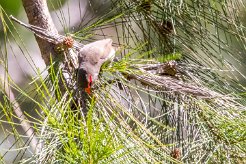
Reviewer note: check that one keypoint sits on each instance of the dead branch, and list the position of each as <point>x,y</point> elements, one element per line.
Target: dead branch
<point>173,84</point>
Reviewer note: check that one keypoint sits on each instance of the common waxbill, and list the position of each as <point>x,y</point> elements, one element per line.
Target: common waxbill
<point>91,57</point>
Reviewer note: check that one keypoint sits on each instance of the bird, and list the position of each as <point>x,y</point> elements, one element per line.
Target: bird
<point>91,57</point>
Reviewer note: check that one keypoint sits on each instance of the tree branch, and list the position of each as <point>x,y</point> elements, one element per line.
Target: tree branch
<point>38,15</point>
<point>150,72</point>
<point>44,34</point>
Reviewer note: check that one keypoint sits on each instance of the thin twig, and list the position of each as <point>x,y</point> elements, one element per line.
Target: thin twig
<point>46,35</point>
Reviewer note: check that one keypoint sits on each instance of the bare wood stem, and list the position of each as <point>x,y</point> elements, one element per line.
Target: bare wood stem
<point>38,15</point>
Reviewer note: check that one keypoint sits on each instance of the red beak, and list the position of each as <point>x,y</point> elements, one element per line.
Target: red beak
<point>88,89</point>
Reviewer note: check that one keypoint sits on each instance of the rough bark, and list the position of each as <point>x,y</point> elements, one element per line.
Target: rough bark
<point>38,15</point>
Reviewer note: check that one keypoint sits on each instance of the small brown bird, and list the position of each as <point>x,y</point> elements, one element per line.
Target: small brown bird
<point>91,57</point>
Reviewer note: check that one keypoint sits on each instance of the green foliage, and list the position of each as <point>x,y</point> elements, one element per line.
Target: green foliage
<point>128,122</point>
<point>86,140</point>
<point>168,57</point>
<point>71,137</point>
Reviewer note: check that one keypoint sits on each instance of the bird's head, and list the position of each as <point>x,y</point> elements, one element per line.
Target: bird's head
<point>85,80</point>
<point>90,58</point>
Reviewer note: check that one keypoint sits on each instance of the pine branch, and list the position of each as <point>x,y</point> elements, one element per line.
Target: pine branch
<point>149,71</point>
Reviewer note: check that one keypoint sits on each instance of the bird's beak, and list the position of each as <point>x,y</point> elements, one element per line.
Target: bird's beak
<point>88,89</point>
